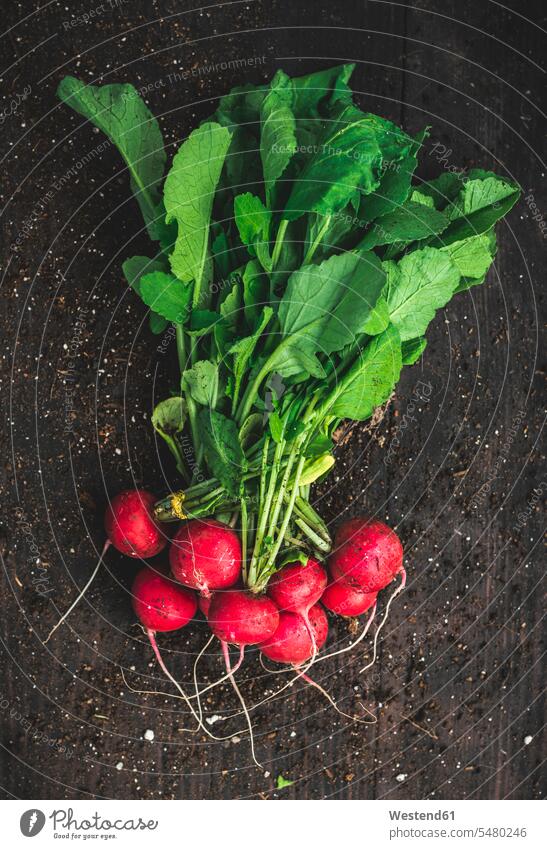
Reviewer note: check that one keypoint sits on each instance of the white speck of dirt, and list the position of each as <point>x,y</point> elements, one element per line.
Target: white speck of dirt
<point>149,735</point>
<point>210,720</point>
<point>528,739</point>
<point>401,777</point>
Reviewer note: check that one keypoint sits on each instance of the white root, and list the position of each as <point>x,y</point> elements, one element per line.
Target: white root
<point>229,675</point>
<point>82,593</point>
<point>154,693</point>
<point>226,653</point>
<point>198,717</point>
<point>300,673</point>
<point>328,696</point>
<point>186,698</point>
<point>152,637</point>
<point>362,635</point>
<point>399,589</point>
<point>352,645</point>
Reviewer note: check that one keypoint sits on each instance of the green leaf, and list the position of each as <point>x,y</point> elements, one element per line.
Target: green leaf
<point>256,292</point>
<point>120,112</point>
<point>371,379</point>
<point>134,267</point>
<point>251,430</point>
<point>444,189</point>
<point>313,91</point>
<point>168,419</point>
<point>201,381</point>
<point>326,306</point>
<point>473,256</point>
<point>220,249</point>
<point>482,190</point>
<point>169,416</point>
<point>252,218</point>
<point>395,181</point>
<point>409,222</point>
<point>394,143</point>
<point>468,282</point>
<point>243,350</point>
<point>157,323</point>
<point>413,350</point>
<point>418,285</point>
<point>280,781</point>
<point>290,555</point>
<point>253,223</point>
<point>425,200</point>
<point>203,322</point>
<point>320,444</point>
<point>278,138</point>
<point>378,320</point>
<point>293,362</point>
<point>276,426</point>
<point>348,157</point>
<point>222,448</point>
<point>188,194</point>
<point>166,295</point>
<point>230,306</point>
<point>243,165</point>
<point>483,200</point>
<point>316,469</point>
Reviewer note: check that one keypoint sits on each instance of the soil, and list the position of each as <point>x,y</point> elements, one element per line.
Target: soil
<point>455,464</point>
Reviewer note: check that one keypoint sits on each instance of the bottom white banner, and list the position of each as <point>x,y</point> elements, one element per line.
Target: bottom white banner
<point>242,824</point>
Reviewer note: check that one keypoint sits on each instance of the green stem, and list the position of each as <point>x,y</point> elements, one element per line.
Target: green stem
<point>312,518</point>
<point>281,493</point>
<point>252,391</point>
<point>315,244</point>
<point>263,473</point>
<point>190,403</point>
<point>318,541</point>
<point>286,519</point>
<point>194,502</point>
<point>244,519</point>
<point>279,242</point>
<point>263,515</point>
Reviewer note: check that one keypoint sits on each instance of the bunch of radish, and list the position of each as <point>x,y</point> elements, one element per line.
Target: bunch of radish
<point>286,621</point>
<point>296,282</point>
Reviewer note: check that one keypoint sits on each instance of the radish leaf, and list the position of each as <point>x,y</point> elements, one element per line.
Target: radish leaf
<point>166,295</point>
<point>188,195</point>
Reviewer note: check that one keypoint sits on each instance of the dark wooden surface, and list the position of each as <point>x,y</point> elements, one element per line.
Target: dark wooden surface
<point>457,688</point>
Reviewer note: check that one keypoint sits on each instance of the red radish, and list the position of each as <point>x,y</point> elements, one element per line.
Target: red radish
<point>345,600</point>
<point>131,526</point>
<point>297,587</point>
<point>242,618</point>
<point>205,555</point>
<point>292,642</point>
<point>160,604</point>
<point>368,555</point>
